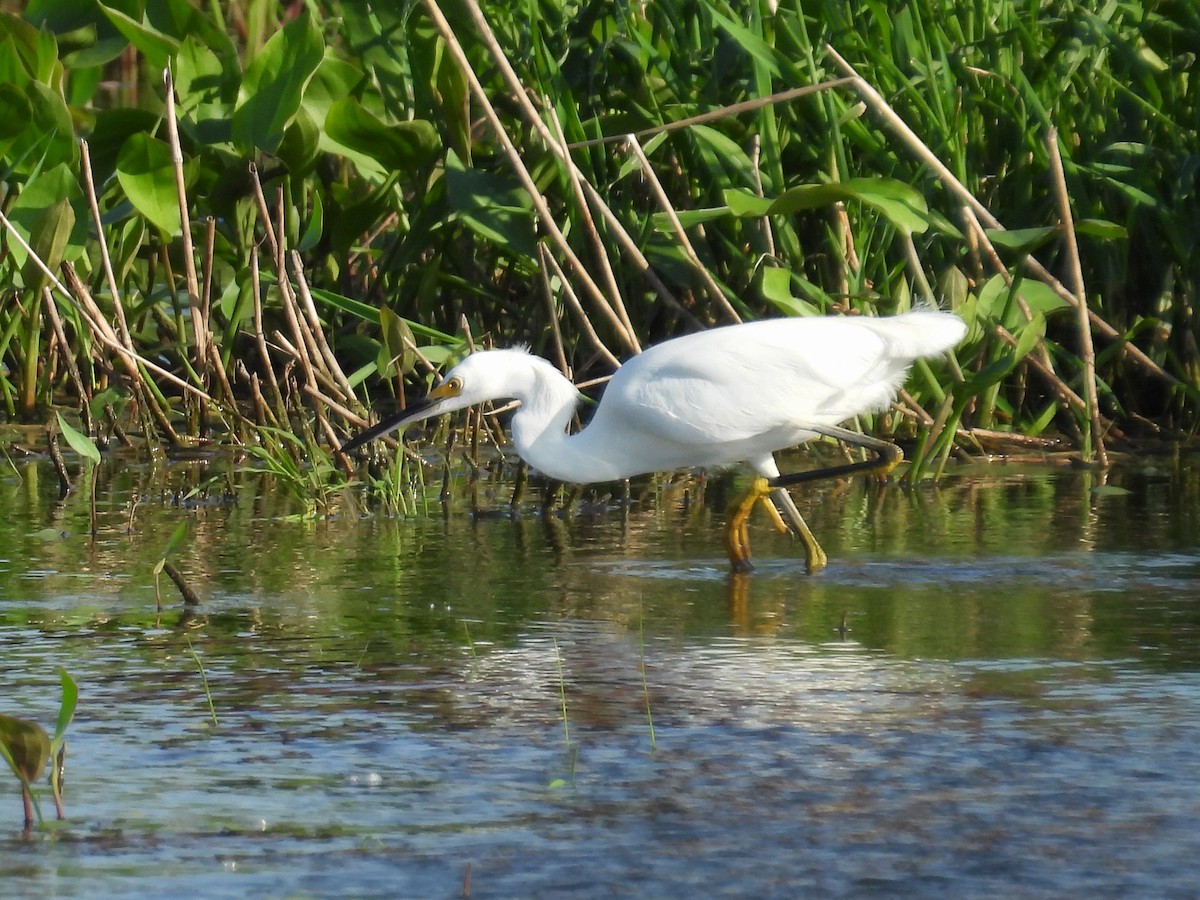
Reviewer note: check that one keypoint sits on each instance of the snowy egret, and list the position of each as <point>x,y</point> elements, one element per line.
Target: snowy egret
<point>709,399</point>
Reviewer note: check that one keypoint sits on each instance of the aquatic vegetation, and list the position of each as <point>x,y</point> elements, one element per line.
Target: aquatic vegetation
<point>225,223</point>
<point>27,748</point>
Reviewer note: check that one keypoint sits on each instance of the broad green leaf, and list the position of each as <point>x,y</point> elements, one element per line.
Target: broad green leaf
<point>1041,300</point>
<point>495,207</point>
<point>274,84</point>
<point>115,398</point>
<point>59,16</point>
<point>335,79</point>
<point>147,175</point>
<point>900,204</point>
<point>19,41</point>
<point>157,47</point>
<point>26,747</point>
<point>85,35</point>
<point>15,112</point>
<point>438,354</point>
<point>49,137</point>
<point>113,127</point>
<point>403,147</point>
<point>777,288</point>
<point>453,91</point>
<point>198,74</point>
<point>301,144</point>
<point>745,204</point>
<point>50,232</point>
<point>79,442</point>
<point>1021,240</point>
<point>1101,228</point>
<point>991,297</point>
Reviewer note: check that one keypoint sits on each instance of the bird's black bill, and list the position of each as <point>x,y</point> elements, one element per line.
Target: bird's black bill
<point>410,413</point>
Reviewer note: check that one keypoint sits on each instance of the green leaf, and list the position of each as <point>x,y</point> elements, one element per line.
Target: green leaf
<point>1041,300</point>
<point>953,287</point>
<point>86,37</point>
<point>301,144</point>
<point>44,215</point>
<point>147,175</point>
<point>1101,228</point>
<point>50,232</point>
<point>1030,334</point>
<point>754,45</point>
<point>199,76</point>
<point>900,204</point>
<point>493,206</point>
<point>274,83</point>
<point>403,147</point>
<point>66,707</point>
<point>991,297</point>
<point>26,747</point>
<point>719,149</point>
<point>15,112</point>
<point>157,47</point>
<point>688,218</point>
<point>744,204</point>
<point>113,127</point>
<point>177,538</point>
<point>315,227</point>
<point>49,137</point>
<point>1021,240</point>
<point>397,354</point>
<point>777,288</point>
<point>1042,421</point>
<point>79,442</point>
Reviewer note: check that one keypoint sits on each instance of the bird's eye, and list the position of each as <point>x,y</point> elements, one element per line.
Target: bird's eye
<point>454,385</point>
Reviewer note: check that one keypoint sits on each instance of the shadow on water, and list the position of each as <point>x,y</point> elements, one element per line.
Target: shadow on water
<point>993,690</point>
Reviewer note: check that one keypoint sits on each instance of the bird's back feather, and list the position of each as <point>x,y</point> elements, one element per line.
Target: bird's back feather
<point>730,385</point>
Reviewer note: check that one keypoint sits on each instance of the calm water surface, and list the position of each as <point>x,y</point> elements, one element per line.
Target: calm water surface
<point>994,690</point>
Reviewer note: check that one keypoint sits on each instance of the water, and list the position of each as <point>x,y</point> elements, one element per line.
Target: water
<point>993,691</point>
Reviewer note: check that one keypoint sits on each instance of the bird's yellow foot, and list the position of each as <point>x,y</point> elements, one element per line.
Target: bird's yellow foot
<point>737,527</point>
<point>814,556</point>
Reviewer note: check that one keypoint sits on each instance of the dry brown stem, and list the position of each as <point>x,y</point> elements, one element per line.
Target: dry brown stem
<point>1087,349</point>
<point>199,320</point>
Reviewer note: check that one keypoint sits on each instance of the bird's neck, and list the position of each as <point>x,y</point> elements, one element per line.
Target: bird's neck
<point>539,432</point>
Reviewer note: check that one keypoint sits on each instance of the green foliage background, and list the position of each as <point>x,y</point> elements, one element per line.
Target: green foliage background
<point>377,163</point>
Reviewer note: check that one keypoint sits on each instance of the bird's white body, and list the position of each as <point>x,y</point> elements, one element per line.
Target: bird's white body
<point>713,398</point>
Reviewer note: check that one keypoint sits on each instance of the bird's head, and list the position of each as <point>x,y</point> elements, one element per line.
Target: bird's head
<point>483,376</point>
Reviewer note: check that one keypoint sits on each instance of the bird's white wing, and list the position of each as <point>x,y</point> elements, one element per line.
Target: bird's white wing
<point>730,384</point>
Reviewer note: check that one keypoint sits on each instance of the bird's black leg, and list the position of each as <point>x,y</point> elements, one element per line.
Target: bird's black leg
<point>887,457</point>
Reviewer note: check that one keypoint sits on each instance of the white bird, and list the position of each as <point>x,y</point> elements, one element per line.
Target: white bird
<point>709,399</point>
